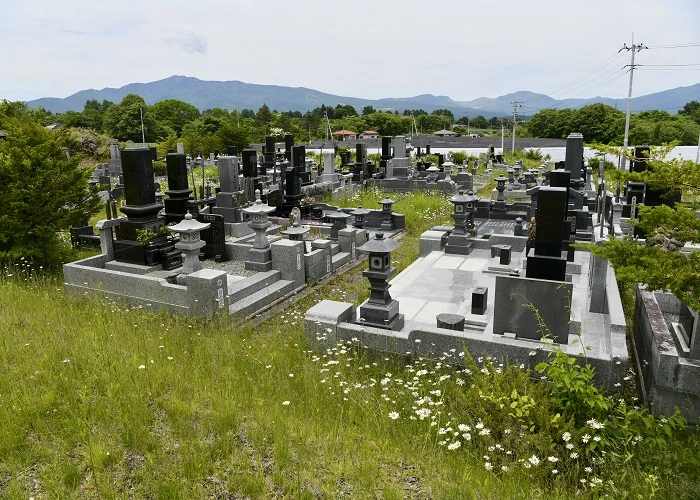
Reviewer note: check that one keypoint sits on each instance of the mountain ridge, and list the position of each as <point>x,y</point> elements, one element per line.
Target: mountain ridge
<point>235,94</point>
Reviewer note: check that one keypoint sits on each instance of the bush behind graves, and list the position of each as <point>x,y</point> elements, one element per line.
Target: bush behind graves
<point>43,192</point>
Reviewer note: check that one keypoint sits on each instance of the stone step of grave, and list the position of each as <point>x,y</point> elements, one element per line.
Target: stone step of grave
<point>261,298</point>
<point>335,248</point>
<point>251,284</point>
<point>340,259</point>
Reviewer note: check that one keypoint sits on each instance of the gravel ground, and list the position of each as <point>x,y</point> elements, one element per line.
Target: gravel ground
<point>234,267</point>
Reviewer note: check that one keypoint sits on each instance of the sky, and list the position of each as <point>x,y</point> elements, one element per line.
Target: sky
<point>368,49</point>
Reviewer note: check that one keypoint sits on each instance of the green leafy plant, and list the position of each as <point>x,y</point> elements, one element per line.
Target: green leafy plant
<point>573,391</point>
<point>144,236</point>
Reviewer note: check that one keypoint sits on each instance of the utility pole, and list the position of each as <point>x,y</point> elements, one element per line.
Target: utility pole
<point>515,104</point>
<point>143,134</point>
<point>634,48</point>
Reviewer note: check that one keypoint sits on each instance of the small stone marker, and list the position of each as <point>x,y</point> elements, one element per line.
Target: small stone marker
<point>480,297</point>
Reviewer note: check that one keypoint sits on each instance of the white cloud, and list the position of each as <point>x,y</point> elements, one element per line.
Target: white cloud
<point>188,40</point>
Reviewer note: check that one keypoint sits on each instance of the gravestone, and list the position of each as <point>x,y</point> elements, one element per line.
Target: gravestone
<point>250,172</point>
<point>329,174</point>
<point>214,237</point>
<point>140,206</point>
<point>288,144</point>
<point>142,210</point>
<point>546,260</point>
<point>573,162</point>
<point>292,182</point>
<point>115,162</point>
<point>176,204</point>
<point>229,177</point>
<point>229,182</point>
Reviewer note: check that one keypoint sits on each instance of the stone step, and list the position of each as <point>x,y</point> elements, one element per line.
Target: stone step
<point>339,259</point>
<point>255,301</point>
<point>252,284</point>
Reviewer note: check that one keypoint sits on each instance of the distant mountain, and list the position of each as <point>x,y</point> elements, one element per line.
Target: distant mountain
<point>240,95</point>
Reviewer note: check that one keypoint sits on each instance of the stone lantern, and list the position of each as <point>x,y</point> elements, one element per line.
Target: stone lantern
<point>432,173</point>
<point>448,166</point>
<point>360,214</point>
<point>471,212</point>
<point>464,210</point>
<point>295,232</point>
<point>387,221</point>
<point>190,243</point>
<point>260,256</point>
<point>339,221</point>
<point>380,310</point>
<point>500,187</point>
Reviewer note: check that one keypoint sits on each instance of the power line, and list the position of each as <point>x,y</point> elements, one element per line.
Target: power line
<point>676,46</point>
<point>604,73</point>
<point>605,70</point>
<point>668,65</point>
<point>669,69</point>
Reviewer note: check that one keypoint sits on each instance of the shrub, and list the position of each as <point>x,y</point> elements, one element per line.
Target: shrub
<point>43,192</point>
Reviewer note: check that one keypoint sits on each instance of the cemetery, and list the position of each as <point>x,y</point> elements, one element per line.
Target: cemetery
<point>482,306</point>
<point>506,280</point>
<point>538,289</point>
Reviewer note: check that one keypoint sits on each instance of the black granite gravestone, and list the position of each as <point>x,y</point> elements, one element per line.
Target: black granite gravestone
<point>299,157</point>
<point>574,156</point>
<point>178,188</point>
<point>288,144</point>
<point>546,260</point>
<point>214,237</point>
<point>250,163</point>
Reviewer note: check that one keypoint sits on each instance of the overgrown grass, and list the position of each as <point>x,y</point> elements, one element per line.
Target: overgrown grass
<point>423,210</point>
<point>99,400</point>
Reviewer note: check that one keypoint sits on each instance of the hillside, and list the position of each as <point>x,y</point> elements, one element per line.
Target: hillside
<point>239,95</point>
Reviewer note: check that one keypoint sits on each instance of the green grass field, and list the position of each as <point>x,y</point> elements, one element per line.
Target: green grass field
<point>98,400</point>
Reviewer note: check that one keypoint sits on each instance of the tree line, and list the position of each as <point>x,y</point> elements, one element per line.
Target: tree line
<point>170,121</point>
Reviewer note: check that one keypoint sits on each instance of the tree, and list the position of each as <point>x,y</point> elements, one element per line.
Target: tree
<point>479,122</point>
<point>343,111</point>
<point>368,110</point>
<point>444,112</point>
<point>657,263</point>
<point>43,192</point>
<point>264,116</point>
<point>123,121</point>
<point>598,123</point>
<point>691,110</point>
<point>174,114</point>
<point>232,135</point>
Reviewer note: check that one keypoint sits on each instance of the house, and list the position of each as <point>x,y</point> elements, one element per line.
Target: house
<point>369,134</point>
<point>445,133</point>
<point>345,134</point>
